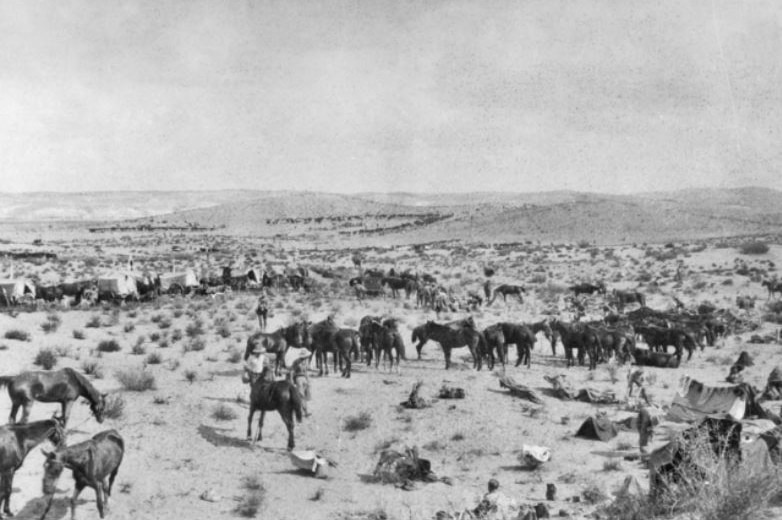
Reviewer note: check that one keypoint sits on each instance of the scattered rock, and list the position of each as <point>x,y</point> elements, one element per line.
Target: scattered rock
<point>541,510</point>
<point>210,496</point>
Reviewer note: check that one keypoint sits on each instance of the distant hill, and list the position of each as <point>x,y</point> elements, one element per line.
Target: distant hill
<point>396,218</point>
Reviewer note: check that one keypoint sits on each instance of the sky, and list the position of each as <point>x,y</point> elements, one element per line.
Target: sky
<point>377,95</point>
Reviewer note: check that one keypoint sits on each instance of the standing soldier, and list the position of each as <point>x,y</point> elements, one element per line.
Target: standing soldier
<point>262,310</point>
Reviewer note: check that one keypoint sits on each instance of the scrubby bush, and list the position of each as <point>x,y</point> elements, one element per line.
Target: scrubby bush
<point>109,345</point>
<point>753,248</point>
<point>93,323</point>
<point>154,359</point>
<point>136,379</point>
<point>17,334</point>
<point>354,423</point>
<point>115,407</point>
<point>46,359</point>
<point>51,324</point>
<point>92,368</point>
<point>78,334</point>
<point>223,412</point>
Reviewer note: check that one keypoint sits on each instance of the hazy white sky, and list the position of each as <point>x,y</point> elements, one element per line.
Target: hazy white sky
<point>346,96</point>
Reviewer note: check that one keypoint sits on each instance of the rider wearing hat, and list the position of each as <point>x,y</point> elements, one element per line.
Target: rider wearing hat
<point>299,376</point>
<point>256,365</point>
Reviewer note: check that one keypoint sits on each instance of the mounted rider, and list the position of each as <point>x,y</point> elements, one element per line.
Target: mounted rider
<point>257,367</point>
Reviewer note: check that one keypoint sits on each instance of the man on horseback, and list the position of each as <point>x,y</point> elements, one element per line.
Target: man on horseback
<point>263,309</point>
<point>257,367</point>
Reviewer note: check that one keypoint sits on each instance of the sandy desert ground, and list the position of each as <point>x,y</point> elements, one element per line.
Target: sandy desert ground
<point>177,450</point>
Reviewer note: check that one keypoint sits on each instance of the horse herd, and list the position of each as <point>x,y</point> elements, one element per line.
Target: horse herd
<point>94,463</point>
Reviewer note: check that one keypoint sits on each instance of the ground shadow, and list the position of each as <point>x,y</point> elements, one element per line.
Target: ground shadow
<point>227,373</point>
<point>229,400</point>
<point>213,436</point>
<point>33,509</point>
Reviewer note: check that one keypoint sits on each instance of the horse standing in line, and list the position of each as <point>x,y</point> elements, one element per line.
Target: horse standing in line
<point>450,337</point>
<point>278,342</point>
<point>94,463</point>
<point>388,343</point>
<point>16,441</point>
<point>62,386</point>
<point>507,289</point>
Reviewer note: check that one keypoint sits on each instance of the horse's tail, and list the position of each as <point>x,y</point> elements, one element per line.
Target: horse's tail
<point>297,401</point>
<point>6,380</point>
<point>414,337</point>
<point>399,345</point>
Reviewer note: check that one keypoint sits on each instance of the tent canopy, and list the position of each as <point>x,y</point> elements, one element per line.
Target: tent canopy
<point>185,279</point>
<point>17,288</point>
<point>122,284</point>
<point>694,401</point>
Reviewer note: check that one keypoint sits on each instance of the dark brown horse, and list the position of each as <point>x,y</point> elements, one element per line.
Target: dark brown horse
<point>419,335</point>
<point>16,441</point>
<point>521,336</point>
<point>588,288</point>
<point>279,341</point>
<point>450,337</point>
<point>579,337</point>
<point>282,396</point>
<point>773,286</point>
<point>93,463</point>
<point>397,284</point>
<point>495,342</point>
<point>367,337</point>
<point>62,386</point>
<point>659,338</point>
<point>327,337</point>
<point>387,343</point>
<point>505,290</point>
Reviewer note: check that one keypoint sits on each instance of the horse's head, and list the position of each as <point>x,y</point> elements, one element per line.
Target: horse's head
<point>56,434</point>
<point>52,469</point>
<point>98,407</point>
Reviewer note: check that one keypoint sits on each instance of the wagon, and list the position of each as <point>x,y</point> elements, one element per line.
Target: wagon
<point>373,285</point>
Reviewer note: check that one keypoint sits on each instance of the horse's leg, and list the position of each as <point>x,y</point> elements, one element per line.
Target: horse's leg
<point>250,420</point>
<point>99,497</point>
<point>447,353</point>
<point>528,354</point>
<point>77,488</point>
<point>14,409</point>
<point>287,418</point>
<point>66,411</point>
<point>259,433</point>
<point>519,354</point>
<point>6,489</point>
<point>26,407</point>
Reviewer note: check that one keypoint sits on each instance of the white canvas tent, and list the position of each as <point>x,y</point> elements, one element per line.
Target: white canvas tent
<point>185,279</point>
<point>120,284</point>
<point>16,289</point>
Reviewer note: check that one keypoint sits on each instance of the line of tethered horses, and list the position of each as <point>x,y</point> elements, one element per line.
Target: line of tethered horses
<point>95,462</point>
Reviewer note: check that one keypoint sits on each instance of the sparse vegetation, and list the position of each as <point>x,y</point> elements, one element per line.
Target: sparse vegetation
<point>354,423</point>
<point>115,406</point>
<point>17,334</point>
<point>46,359</point>
<point>109,345</point>
<point>754,248</point>
<point>223,412</point>
<point>136,379</point>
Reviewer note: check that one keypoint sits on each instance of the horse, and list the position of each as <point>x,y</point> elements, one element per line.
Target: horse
<point>495,342</point>
<point>94,463</point>
<point>62,386</point>
<point>450,337</point>
<point>588,288</point>
<point>16,441</point>
<point>623,298</point>
<point>545,327</point>
<point>773,286</point>
<point>278,342</point>
<point>505,290</point>
<point>580,337</point>
<point>48,293</point>
<point>396,284</point>
<point>658,339</point>
<point>620,341</point>
<point>327,337</point>
<point>522,337</point>
<point>388,342</point>
<point>367,337</point>
<point>282,396</point>
<point>76,289</point>
<point>419,336</point>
